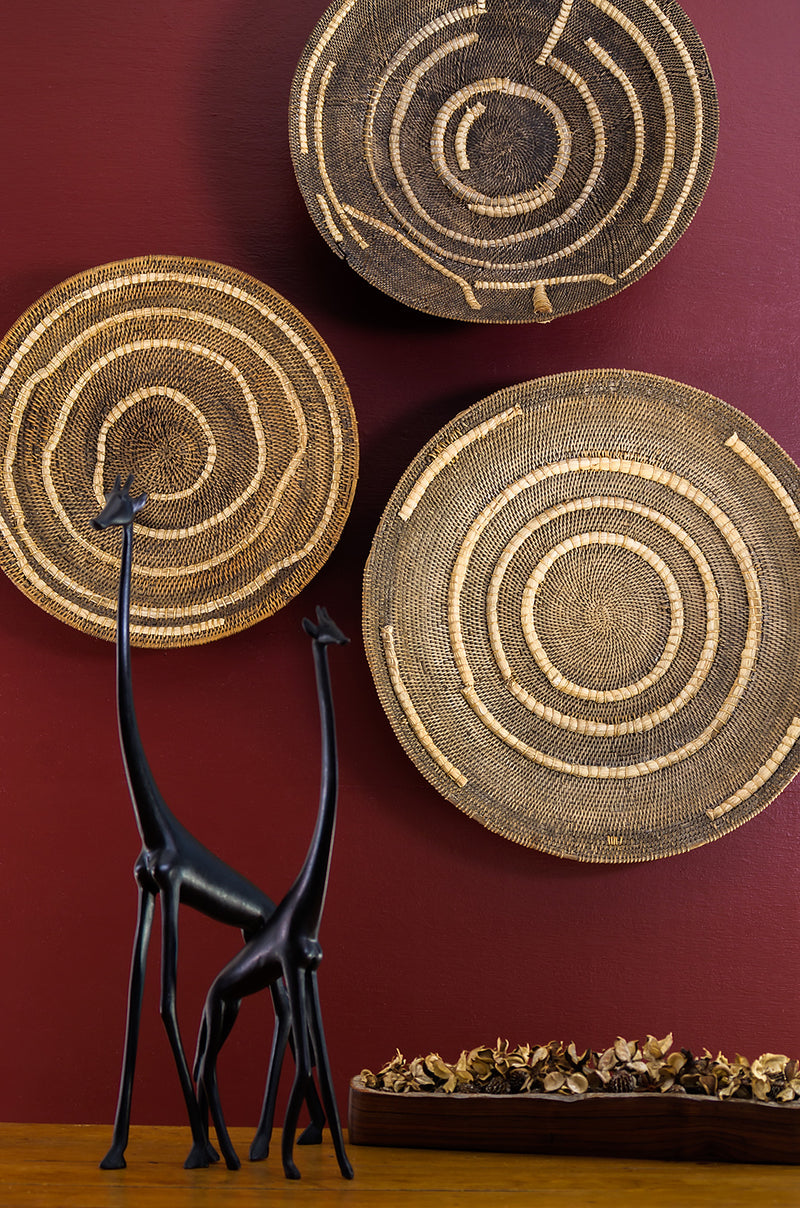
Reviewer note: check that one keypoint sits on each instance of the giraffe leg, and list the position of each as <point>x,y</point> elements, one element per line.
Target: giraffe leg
<point>324,1069</point>
<point>218,1019</point>
<point>295,985</point>
<point>170,903</point>
<point>115,1158</point>
<point>202,1100</point>
<point>259,1148</point>
<point>312,1133</point>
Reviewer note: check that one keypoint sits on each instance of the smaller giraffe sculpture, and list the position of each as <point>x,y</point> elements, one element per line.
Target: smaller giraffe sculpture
<point>176,868</point>
<point>287,948</point>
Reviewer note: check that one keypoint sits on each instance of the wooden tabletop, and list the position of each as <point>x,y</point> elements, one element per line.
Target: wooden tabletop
<point>55,1166</point>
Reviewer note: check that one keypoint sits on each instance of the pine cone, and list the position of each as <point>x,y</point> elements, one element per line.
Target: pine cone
<point>622,1081</point>
<point>517,1079</point>
<point>496,1085</point>
<point>466,1088</point>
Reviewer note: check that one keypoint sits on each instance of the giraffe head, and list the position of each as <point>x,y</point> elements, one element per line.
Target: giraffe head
<point>325,631</point>
<point>120,508</point>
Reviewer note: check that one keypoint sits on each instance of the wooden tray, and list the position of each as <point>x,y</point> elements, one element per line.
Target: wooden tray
<point>645,1125</point>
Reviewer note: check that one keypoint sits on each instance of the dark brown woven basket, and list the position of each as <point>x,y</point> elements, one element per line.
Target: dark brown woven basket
<point>506,160</point>
<point>582,615</point>
<point>229,411</point>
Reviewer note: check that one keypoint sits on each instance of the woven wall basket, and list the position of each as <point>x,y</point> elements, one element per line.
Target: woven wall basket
<point>229,411</point>
<point>582,615</point>
<point>507,160</point>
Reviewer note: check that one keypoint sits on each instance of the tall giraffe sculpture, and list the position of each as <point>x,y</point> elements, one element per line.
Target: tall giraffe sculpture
<point>287,949</point>
<point>176,868</point>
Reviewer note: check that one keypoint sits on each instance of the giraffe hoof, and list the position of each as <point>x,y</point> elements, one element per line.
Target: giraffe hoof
<point>198,1158</point>
<point>114,1160</point>
<point>259,1149</point>
<point>312,1135</point>
<point>290,1170</point>
<point>346,1169</point>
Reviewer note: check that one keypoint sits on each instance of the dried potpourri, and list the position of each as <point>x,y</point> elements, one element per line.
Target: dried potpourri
<point>626,1066</point>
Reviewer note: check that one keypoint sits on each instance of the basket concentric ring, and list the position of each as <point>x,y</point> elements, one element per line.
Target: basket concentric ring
<point>582,615</point>
<point>228,410</point>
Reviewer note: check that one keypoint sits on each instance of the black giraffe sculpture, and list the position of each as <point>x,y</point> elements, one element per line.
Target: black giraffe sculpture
<point>287,949</point>
<point>176,868</point>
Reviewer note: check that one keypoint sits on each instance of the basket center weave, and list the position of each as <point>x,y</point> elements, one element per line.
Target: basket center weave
<point>602,616</point>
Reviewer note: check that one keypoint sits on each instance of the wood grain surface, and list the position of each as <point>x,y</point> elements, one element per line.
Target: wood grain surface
<point>55,1166</point>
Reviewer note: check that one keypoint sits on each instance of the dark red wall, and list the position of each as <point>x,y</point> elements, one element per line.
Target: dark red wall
<point>160,126</point>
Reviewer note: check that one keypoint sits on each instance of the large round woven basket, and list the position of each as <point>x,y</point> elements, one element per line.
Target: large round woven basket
<point>582,615</point>
<point>228,410</point>
<point>506,160</point>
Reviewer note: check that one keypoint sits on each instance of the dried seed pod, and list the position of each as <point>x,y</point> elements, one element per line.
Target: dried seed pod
<point>554,1081</point>
<point>622,1082</point>
<point>578,1059</point>
<point>622,1049</point>
<point>495,1085</point>
<point>519,1080</point>
<point>625,1067</point>
<point>437,1069</point>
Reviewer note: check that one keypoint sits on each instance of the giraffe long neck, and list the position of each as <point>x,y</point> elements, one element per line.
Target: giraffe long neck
<point>312,882</point>
<point>151,812</point>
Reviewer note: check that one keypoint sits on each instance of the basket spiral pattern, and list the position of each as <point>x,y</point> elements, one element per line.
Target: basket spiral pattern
<point>225,406</point>
<point>582,615</point>
<point>503,162</point>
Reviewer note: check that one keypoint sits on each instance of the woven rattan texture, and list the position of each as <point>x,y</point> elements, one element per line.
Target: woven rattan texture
<point>582,615</point>
<point>229,411</point>
<point>506,160</point>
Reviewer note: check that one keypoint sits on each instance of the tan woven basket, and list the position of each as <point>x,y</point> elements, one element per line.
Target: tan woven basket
<point>506,160</point>
<point>229,411</point>
<point>582,615</point>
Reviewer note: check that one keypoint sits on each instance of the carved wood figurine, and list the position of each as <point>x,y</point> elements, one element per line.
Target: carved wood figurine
<point>287,948</point>
<point>176,868</point>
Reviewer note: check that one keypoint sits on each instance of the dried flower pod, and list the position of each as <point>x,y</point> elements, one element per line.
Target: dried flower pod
<point>607,1060</point>
<point>436,1068</point>
<point>622,1082</point>
<point>554,1081</point>
<point>519,1080</point>
<point>578,1059</point>
<point>480,1063</point>
<point>622,1049</point>
<point>627,1066</point>
<point>495,1085</point>
<point>657,1049</point>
